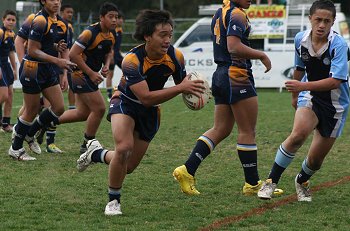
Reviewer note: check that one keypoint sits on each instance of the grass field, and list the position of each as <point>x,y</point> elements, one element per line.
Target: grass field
<point>49,194</point>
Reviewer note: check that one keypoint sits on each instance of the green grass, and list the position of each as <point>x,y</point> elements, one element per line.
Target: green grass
<point>49,194</point>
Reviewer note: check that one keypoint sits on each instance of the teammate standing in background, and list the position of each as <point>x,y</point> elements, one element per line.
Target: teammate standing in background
<point>117,56</point>
<point>92,50</point>
<point>235,96</point>
<point>8,71</point>
<point>67,13</point>
<point>320,92</point>
<point>37,74</point>
<point>134,110</point>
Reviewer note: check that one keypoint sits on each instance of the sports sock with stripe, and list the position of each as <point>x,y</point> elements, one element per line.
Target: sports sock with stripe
<point>282,161</point>
<point>201,150</point>
<point>248,156</point>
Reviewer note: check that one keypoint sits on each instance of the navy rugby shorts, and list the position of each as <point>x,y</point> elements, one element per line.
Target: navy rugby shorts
<point>147,119</point>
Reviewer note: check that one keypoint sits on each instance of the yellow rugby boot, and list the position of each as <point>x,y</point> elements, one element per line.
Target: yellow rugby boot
<point>185,180</point>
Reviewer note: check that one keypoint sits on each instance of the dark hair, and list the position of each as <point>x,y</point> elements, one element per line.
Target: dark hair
<point>65,6</point>
<point>41,3</point>
<point>323,5</point>
<point>147,20</point>
<point>107,7</point>
<point>9,12</point>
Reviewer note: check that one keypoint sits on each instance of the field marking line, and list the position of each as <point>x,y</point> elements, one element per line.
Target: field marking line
<point>262,209</point>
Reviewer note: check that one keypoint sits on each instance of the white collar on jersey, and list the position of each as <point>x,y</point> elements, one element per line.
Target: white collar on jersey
<point>306,42</point>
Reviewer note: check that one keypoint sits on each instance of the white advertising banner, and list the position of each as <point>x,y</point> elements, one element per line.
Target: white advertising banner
<point>267,21</point>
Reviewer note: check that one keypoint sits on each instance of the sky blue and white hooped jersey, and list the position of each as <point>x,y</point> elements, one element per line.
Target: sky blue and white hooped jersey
<point>331,61</point>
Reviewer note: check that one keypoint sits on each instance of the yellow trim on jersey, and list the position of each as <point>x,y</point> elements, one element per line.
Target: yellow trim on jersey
<point>101,37</point>
<point>225,8</point>
<point>148,63</point>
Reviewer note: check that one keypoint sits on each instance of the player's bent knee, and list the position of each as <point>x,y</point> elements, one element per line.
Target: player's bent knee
<point>298,139</point>
<point>58,110</point>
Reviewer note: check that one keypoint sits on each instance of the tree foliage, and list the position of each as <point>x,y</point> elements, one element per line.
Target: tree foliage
<point>179,8</point>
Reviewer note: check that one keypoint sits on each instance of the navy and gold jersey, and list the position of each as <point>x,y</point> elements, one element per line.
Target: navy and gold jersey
<point>96,45</point>
<point>47,31</point>
<point>231,20</point>
<point>23,32</point>
<point>118,58</point>
<point>7,39</point>
<point>137,67</point>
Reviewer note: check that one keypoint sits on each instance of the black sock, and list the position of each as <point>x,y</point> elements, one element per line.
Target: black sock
<point>5,121</point>
<point>303,177</point>
<point>248,156</point>
<point>86,139</point>
<point>276,173</point>
<point>98,156</point>
<point>21,131</point>
<point>306,172</point>
<point>44,120</point>
<point>114,194</point>
<point>202,149</point>
<point>50,134</point>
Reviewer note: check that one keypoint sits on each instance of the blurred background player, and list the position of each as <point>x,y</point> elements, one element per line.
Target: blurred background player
<point>21,43</point>
<point>92,49</point>
<point>37,74</point>
<point>134,110</point>
<point>67,13</point>
<point>320,94</point>
<point>8,71</point>
<point>117,56</point>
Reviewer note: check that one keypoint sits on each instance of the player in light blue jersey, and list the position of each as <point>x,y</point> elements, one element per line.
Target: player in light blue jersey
<point>320,93</point>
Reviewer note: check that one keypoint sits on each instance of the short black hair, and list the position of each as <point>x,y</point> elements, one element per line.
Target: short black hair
<point>147,20</point>
<point>107,7</point>
<point>65,6</point>
<point>323,5</point>
<point>9,12</point>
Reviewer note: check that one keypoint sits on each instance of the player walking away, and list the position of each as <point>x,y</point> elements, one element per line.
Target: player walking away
<point>92,49</point>
<point>134,109</point>
<point>8,71</point>
<point>38,75</point>
<point>67,13</point>
<point>320,93</point>
<point>235,97</point>
<point>117,57</point>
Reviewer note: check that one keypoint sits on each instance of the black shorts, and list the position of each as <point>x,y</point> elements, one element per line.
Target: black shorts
<point>35,76</point>
<point>229,90</point>
<point>80,82</point>
<point>7,74</point>
<point>147,120</point>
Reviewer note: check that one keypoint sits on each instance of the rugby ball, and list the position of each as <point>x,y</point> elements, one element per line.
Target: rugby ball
<point>193,102</point>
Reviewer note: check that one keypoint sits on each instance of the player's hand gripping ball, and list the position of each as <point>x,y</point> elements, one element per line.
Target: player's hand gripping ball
<point>193,102</point>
